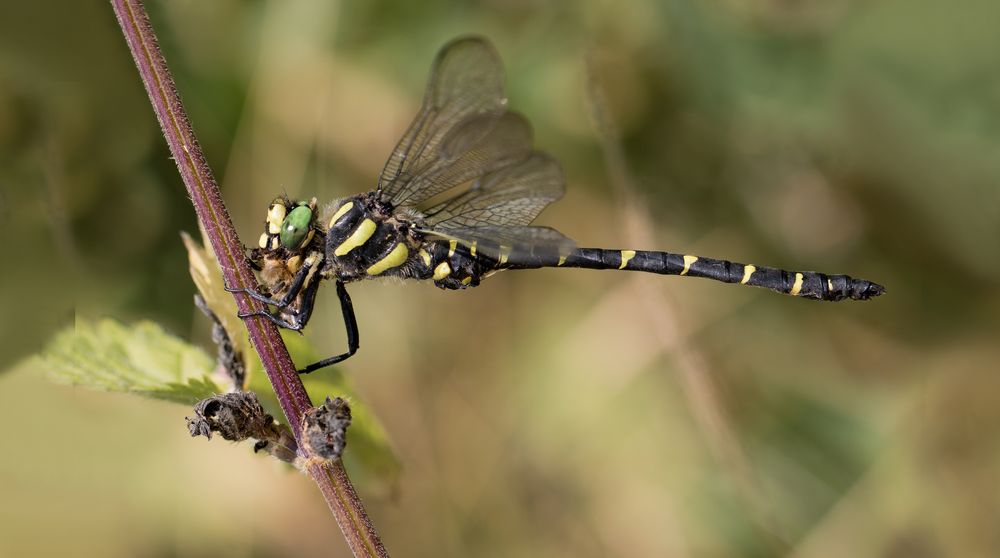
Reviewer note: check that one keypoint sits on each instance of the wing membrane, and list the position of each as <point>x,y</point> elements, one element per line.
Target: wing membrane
<point>464,133</point>
<point>510,196</point>
<point>467,81</point>
<point>479,145</point>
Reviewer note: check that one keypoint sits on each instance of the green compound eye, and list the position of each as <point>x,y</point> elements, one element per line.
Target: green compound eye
<point>295,226</point>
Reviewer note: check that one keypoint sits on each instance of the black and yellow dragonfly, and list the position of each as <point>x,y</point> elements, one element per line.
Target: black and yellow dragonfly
<point>454,204</point>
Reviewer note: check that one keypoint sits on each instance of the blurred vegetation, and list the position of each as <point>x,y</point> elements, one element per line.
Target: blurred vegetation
<point>547,413</point>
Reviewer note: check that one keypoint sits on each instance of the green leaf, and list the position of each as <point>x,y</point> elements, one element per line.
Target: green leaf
<point>142,359</point>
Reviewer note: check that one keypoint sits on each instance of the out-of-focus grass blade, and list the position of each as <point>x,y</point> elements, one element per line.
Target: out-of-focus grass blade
<point>141,359</point>
<point>207,277</point>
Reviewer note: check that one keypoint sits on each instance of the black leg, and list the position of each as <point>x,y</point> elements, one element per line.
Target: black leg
<point>298,317</point>
<point>350,323</point>
<point>293,290</point>
<point>306,304</point>
<point>275,319</point>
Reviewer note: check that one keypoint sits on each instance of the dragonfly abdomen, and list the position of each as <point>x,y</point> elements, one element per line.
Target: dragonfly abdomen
<point>805,284</point>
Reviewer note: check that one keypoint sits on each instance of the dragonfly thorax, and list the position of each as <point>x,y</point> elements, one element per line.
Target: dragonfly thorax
<point>365,238</point>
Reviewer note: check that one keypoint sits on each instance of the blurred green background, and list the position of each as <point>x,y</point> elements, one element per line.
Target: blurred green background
<point>555,412</point>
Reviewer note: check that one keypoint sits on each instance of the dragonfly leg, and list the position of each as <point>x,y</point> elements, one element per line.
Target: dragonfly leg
<point>293,290</point>
<point>274,318</point>
<point>350,324</point>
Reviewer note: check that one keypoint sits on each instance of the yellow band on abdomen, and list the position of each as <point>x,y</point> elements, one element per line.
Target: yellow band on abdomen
<point>626,256</point>
<point>688,260</point>
<point>797,287</point>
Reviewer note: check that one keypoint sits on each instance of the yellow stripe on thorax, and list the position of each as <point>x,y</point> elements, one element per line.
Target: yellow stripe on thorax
<point>452,244</point>
<point>360,235</point>
<point>441,271</point>
<point>426,257</point>
<point>747,273</point>
<point>626,256</point>
<point>395,258</point>
<point>688,260</point>
<point>340,212</point>
<point>797,286</point>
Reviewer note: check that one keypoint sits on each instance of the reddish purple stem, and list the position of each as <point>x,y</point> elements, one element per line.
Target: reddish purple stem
<point>332,479</point>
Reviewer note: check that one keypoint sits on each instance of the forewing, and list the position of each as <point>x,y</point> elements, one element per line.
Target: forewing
<point>467,80</point>
<point>509,196</point>
<point>480,145</point>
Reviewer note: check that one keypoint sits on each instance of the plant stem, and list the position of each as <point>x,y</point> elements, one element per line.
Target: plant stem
<point>331,478</point>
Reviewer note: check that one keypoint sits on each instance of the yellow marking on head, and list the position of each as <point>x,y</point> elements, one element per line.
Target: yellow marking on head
<point>829,285</point>
<point>340,213</point>
<point>310,274</point>
<point>747,273</point>
<point>308,239</point>
<point>626,256</point>
<point>688,260</point>
<point>797,286</point>
<point>274,243</point>
<point>294,263</point>
<point>263,240</point>
<point>441,271</point>
<point>505,253</point>
<point>393,259</point>
<point>452,244</point>
<point>562,260</point>
<point>472,249</point>
<point>426,257</point>
<point>467,280</point>
<point>360,235</point>
<point>275,216</point>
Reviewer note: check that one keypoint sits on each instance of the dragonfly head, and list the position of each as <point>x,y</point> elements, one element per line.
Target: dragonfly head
<point>290,226</point>
<point>289,239</point>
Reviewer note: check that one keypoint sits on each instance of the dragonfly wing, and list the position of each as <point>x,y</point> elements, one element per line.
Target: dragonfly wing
<point>478,146</point>
<point>509,196</point>
<point>464,102</point>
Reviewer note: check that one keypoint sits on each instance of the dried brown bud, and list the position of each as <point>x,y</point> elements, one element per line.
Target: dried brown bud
<point>324,429</point>
<point>234,416</point>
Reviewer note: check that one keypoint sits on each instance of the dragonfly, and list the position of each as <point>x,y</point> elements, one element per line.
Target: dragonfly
<point>454,205</point>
